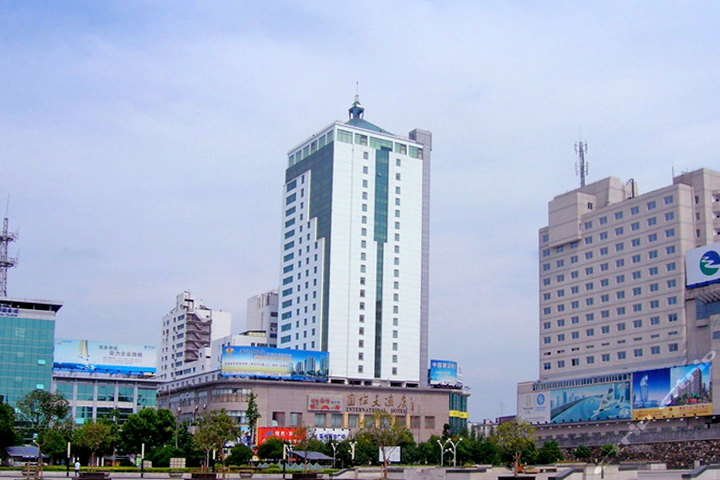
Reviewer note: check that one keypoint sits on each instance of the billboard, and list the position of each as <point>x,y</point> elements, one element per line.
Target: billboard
<point>290,434</point>
<point>607,401</point>
<point>682,391</point>
<point>702,265</point>
<point>328,434</point>
<point>534,407</point>
<point>444,372</point>
<point>262,362</point>
<point>104,357</point>
<point>323,402</point>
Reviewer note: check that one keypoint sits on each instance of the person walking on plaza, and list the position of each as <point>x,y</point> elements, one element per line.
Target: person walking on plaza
<point>77,469</point>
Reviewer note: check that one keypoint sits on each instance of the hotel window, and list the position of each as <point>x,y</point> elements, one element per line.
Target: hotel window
<point>561,363</point>
<point>673,347</point>
<point>602,220</point>
<point>637,323</point>
<point>618,231</point>
<point>634,210</point>
<point>654,350</point>
<point>603,235</point>
<point>635,226</point>
<point>621,355</point>
<point>638,352</point>
<point>668,200</point>
<point>654,320</point>
<point>605,357</point>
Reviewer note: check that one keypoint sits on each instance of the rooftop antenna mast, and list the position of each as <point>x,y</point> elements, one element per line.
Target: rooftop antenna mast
<point>581,167</point>
<point>5,262</point>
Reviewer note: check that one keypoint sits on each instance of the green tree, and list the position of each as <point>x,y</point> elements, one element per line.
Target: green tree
<point>96,437</point>
<point>583,453</point>
<point>549,453</point>
<point>56,440</point>
<point>385,431</point>
<point>609,451</point>
<point>39,412</point>
<point>252,414</point>
<point>514,438</point>
<point>154,428</point>
<point>213,430</point>
<point>240,455</point>
<point>8,435</point>
<point>271,449</point>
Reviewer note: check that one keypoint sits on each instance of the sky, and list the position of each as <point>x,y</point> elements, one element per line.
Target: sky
<point>143,145</point>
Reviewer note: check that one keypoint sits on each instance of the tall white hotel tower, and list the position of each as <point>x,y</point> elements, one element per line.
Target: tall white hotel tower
<point>354,275</point>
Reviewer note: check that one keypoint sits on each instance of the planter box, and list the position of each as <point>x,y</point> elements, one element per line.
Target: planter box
<point>204,476</point>
<point>94,476</point>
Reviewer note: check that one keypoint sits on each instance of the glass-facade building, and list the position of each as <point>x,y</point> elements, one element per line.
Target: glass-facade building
<point>27,331</point>
<point>104,396</point>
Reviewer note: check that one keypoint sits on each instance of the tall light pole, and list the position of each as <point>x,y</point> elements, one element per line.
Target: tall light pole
<point>334,447</point>
<point>449,446</point>
<point>353,444</point>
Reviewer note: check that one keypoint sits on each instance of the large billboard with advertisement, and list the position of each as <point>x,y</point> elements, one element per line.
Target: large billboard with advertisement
<point>289,434</point>
<point>702,265</point>
<point>444,372</point>
<point>104,357</point>
<point>329,434</point>
<point>534,407</point>
<point>261,362</point>
<point>605,401</point>
<point>682,391</point>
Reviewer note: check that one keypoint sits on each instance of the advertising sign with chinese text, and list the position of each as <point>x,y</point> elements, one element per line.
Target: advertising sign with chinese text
<point>261,362</point>
<point>105,357</point>
<point>444,372</point>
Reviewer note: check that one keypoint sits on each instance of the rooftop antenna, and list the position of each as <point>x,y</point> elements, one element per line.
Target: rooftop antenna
<point>5,262</point>
<point>581,166</point>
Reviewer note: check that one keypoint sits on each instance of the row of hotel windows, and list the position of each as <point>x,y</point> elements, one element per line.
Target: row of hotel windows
<point>619,247</point>
<point>634,210</point>
<point>636,275</point>
<point>359,139</point>
<point>605,357</point>
<point>337,420</point>
<point>672,317</point>
<point>605,329</point>
<point>620,294</point>
<point>622,310</point>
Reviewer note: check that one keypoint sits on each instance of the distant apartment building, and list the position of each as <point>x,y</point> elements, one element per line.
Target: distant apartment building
<point>262,315</point>
<point>27,331</point>
<point>187,332</point>
<point>355,258</point>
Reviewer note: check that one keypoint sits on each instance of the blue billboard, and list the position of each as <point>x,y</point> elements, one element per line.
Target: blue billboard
<point>681,391</point>
<point>609,401</point>
<point>444,372</point>
<point>104,357</point>
<point>276,363</point>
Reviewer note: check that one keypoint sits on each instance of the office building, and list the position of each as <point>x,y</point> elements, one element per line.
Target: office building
<point>27,331</point>
<point>187,332</point>
<point>354,260</point>
<point>618,316</point>
<point>262,315</point>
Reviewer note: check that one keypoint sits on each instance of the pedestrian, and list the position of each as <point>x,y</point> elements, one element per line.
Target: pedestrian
<point>77,468</point>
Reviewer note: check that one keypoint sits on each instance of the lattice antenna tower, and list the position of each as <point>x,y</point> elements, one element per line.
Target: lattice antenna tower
<point>6,237</point>
<point>581,166</point>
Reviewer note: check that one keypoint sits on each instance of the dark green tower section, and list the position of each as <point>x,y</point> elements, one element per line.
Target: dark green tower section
<point>320,163</point>
<point>381,218</point>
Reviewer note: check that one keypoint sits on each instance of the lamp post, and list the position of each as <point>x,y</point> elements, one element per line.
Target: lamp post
<point>353,444</point>
<point>285,455</point>
<point>67,463</point>
<point>334,447</point>
<point>142,460</point>
<point>444,448</point>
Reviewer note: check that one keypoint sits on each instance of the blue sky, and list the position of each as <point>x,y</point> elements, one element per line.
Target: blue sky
<point>142,144</point>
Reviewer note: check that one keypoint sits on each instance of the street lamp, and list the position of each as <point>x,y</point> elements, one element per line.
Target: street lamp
<point>444,448</point>
<point>285,455</point>
<point>353,444</point>
<point>334,447</point>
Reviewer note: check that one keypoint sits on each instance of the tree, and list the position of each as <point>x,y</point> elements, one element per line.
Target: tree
<point>253,415</point>
<point>8,435</point>
<point>582,452</point>
<point>271,449</point>
<point>154,428</point>
<point>39,412</point>
<point>96,437</point>
<point>214,430</point>
<point>240,455</point>
<point>609,451</point>
<point>549,453</point>
<point>385,430</point>
<point>514,438</point>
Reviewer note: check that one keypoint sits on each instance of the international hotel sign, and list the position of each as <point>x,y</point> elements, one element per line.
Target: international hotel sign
<point>394,403</point>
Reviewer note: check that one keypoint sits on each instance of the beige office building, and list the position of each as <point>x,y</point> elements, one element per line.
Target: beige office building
<point>613,296</point>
